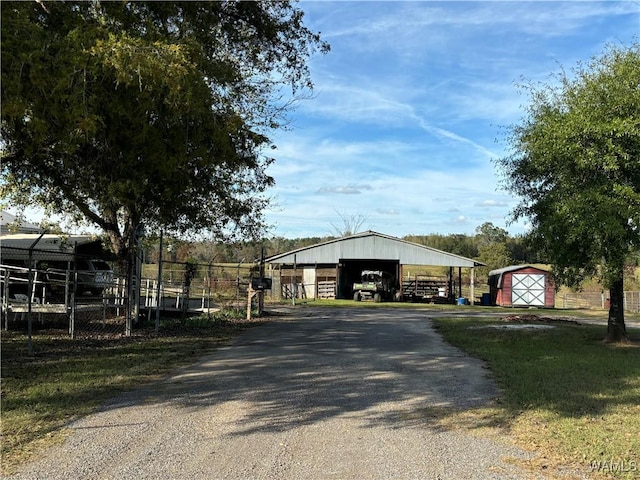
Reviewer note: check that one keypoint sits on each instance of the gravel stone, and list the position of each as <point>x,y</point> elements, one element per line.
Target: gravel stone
<point>327,395</point>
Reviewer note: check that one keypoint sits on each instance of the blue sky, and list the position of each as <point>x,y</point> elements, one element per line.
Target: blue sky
<point>408,108</point>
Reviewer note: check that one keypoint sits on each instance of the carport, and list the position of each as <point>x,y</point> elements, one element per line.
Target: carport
<point>328,269</point>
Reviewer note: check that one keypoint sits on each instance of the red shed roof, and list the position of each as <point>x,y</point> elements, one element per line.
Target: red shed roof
<point>514,268</point>
<point>495,276</point>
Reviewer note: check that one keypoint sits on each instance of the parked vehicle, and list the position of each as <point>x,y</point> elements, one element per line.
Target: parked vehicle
<point>93,275</point>
<point>374,284</point>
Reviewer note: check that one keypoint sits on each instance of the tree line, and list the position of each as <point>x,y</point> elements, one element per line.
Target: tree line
<point>489,244</point>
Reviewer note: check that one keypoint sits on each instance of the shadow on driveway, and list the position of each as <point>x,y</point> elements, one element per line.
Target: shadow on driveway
<point>378,365</point>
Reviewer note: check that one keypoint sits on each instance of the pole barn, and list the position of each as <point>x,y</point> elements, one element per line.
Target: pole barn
<point>330,269</point>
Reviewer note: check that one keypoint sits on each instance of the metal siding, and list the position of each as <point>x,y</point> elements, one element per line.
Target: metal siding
<point>372,246</point>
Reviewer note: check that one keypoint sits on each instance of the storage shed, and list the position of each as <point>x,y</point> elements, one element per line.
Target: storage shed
<point>329,269</point>
<point>522,286</point>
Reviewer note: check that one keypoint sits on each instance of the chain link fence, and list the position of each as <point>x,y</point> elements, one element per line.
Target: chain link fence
<point>80,295</point>
<point>194,287</point>
<point>43,289</point>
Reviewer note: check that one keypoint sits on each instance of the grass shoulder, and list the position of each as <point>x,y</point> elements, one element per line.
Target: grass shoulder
<point>566,394</point>
<point>66,378</point>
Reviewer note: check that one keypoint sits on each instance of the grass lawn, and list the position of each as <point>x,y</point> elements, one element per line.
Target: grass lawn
<point>66,379</point>
<point>567,395</point>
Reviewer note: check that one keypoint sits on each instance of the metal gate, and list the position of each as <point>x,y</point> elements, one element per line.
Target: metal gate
<point>528,289</point>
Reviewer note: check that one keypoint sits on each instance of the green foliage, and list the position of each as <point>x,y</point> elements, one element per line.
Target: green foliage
<point>494,255</point>
<point>523,250</point>
<point>488,233</point>
<point>458,244</point>
<point>124,113</point>
<point>575,163</point>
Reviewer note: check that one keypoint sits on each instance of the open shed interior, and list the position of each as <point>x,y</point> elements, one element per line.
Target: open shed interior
<point>351,271</point>
<point>330,269</point>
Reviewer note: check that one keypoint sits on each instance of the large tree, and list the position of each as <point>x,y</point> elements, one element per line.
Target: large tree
<point>575,164</point>
<point>488,233</point>
<point>126,114</point>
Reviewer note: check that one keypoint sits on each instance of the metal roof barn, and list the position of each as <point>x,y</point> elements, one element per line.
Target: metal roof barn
<point>338,263</point>
<point>370,245</point>
<point>10,223</point>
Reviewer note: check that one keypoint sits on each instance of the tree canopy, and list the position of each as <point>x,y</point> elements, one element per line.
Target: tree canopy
<point>575,164</point>
<point>154,113</point>
<point>488,233</point>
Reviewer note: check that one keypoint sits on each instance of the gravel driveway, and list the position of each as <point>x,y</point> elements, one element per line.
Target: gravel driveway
<point>327,394</point>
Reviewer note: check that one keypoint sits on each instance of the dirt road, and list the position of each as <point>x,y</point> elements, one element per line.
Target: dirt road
<point>330,394</point>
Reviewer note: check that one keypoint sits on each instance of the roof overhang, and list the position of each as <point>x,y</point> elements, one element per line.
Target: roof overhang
<point>369,246</point>
<point>53,246</point>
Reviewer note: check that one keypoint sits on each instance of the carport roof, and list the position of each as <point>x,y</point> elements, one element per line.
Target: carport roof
<point>371,246</point>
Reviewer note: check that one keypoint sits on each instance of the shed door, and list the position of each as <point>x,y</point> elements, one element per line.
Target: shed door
<point>528,289</point>
<point>309,282</point>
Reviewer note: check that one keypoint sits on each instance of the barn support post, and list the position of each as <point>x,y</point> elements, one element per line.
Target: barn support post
<point>73,313</point>
<point>276,284</point>
<point>139,260</point>
<point>459,282</point>
<point>315,282</point>
<point>5,297</point>
<point>30,290</point>
<point>295,282</point>
<point>261,292</point>
<point>249,298</point>
<point>452,288</point>
<point>472,284</point>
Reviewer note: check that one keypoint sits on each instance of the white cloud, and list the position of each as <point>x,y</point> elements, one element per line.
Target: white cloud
<point>491,203</point>
<point>344,190</point>
<point>388,211</point>
<point>447,134</point>
<point>412,22</point>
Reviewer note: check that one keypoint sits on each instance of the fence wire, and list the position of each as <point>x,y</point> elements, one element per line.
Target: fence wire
<point>52,290</point>
<point>85,296</point>
<point>598,301</point>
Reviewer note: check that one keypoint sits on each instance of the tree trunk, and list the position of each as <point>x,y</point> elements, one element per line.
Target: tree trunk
<point>616,330</point>
<point>123,244</point>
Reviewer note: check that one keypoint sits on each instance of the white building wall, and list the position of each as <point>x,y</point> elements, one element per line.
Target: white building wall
<point>309,281</point>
